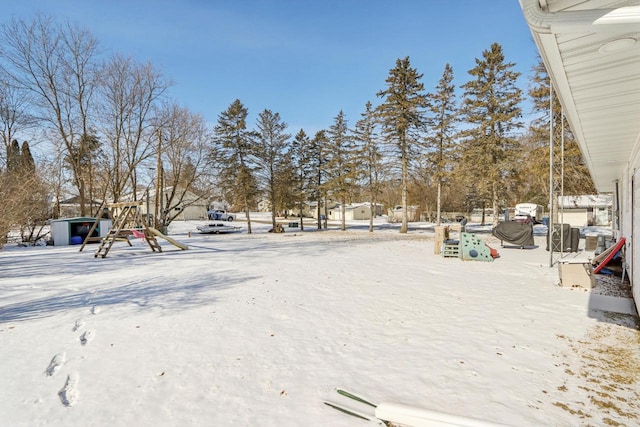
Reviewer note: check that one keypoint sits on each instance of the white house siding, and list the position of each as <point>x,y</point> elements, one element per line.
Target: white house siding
<point>569,53</point>
<point>631,226</point>
<point>353,212</point>
<point>192,212</point>
<point>629,200</point>
<point>196,209</point>
<point>361,212</point>
<point>575,217</point>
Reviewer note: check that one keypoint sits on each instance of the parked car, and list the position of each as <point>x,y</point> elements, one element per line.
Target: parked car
<point>221,215</point>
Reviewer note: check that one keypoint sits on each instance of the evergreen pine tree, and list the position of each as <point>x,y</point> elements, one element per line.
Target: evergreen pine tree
<point>341,163</point>
<point>300,155</point>
<point>491,110</point>
<point>268,148</point>
<point>14,160</point>
<point>402,117</point>
<point>443,123</point>
<point>231,153</point>
<point>577,179</point>
<point>318,159</point>
<point>371,158</point>
<point>28,164</point>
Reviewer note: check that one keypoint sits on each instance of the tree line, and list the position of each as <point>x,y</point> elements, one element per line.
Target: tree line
<point>111,129</point>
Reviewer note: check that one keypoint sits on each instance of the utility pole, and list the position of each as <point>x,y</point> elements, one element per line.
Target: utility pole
<point>159,189</point>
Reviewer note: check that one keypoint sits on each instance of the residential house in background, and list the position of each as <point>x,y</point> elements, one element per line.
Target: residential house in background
<point>264,205</point>
<point>70,207</point>
<point>190,207</point>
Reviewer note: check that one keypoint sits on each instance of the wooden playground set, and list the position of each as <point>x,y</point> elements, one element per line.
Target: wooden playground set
<point>126,221</point>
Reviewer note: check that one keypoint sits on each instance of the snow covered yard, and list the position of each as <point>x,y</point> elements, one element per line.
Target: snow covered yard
<point>258,330</point>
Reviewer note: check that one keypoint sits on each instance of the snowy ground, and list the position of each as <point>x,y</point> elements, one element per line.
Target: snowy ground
<point>258,330</point>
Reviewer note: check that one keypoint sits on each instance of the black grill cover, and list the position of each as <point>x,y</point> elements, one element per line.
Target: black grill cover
<point>514,232</point>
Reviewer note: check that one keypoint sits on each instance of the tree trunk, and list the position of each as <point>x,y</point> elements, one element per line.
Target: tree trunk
<point>326,213</point>
<point>438,202</point>
<point>273,215</point>
<point>246,212</point>
<point>301,221</point>
<point>405,211</point>
<point>494,189</point>
<point>371,214</point>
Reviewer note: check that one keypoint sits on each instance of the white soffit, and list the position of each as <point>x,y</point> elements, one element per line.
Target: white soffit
<point>591,49</point>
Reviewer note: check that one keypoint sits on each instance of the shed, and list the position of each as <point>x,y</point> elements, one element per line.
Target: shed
<point>396,214</point>
<point>355,211</point>
<point>72,231</point>
<point>587,210</point>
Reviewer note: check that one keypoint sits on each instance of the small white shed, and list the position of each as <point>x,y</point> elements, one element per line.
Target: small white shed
<point>587,210</point>
<point>355,211</point>
<point>72,231</point>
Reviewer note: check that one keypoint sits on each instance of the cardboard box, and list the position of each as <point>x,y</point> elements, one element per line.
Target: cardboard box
<point>577,273</point>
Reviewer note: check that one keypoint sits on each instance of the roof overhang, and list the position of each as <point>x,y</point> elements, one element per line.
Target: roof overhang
<point>591,49</point>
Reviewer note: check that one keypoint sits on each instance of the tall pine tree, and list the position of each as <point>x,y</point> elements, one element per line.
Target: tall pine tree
<point>301,161</point>
<point>269,146</point>
<point>491,109</point>
<point>318,160</point>
<point>370,157</point>
<point>28,164</point>
<point>577,179</point>
<point>441,142</point>
<point>14,161</point>
<point>402,117</point>
<point>231,153</point>
<point>341,164</point>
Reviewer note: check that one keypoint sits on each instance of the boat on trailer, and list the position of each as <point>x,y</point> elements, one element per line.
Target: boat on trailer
<point>217,228</point>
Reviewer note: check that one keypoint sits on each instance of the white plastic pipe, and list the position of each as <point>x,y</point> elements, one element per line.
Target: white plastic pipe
<point>419,417</point>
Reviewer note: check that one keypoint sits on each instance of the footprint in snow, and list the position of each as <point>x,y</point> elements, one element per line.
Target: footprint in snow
<point>86,337</point>
<point>95,309</point>
<point>69,393</point>
<point>79,324</point>
<point>55,364</point>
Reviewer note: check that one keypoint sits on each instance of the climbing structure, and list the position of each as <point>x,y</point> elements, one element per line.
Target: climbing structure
<point>127,219</point>
<point>474,248</point>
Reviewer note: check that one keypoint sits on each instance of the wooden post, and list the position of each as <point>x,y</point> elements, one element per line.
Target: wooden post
<point>442,234</point>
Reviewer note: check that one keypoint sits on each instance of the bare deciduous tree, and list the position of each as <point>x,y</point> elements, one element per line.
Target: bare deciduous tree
<point>14,113</point>
<point>56,62</point>
<point>129,93</point>
<point>185,151</point>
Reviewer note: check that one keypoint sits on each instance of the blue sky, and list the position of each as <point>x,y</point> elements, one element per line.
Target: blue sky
<point>304,59</point>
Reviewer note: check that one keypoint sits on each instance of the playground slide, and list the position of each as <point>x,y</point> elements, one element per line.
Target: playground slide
<point>168,239</point>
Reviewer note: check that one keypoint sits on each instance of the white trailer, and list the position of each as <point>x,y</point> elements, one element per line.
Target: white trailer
<point>533,210</point>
